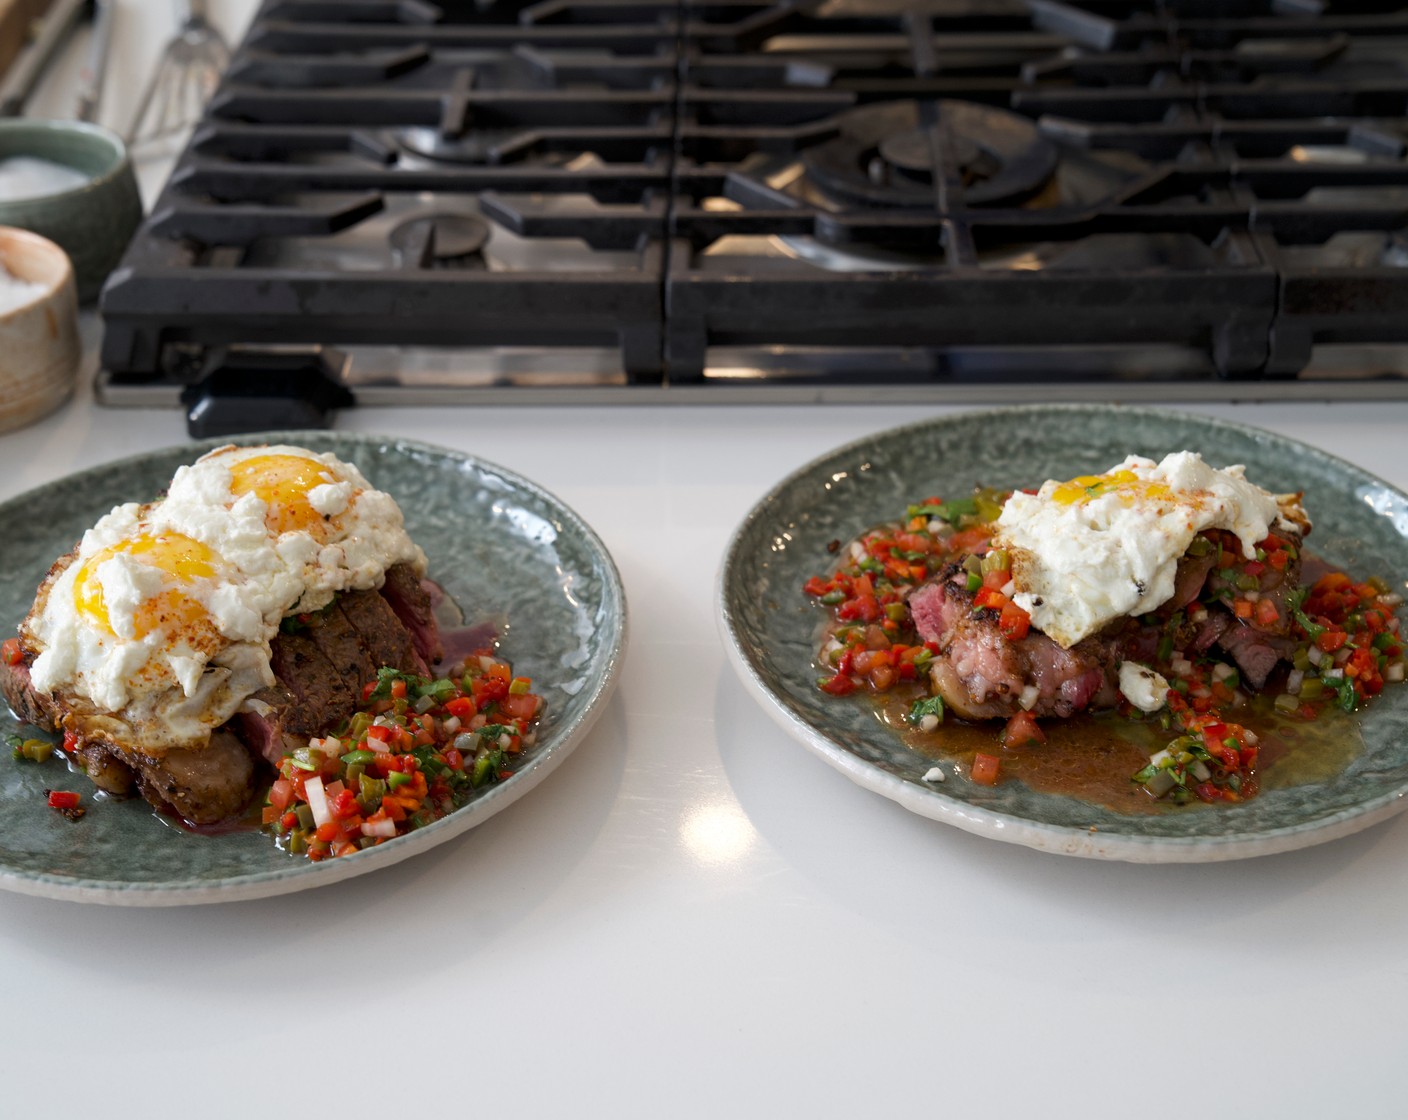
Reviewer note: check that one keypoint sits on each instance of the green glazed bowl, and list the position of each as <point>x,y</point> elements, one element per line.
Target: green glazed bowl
<point>92,222</point>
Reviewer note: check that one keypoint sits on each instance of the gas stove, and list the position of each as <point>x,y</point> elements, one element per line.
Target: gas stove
<point>399,201</point>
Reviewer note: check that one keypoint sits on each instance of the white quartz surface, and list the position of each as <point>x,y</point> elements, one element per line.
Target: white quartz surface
<point>694,917</point>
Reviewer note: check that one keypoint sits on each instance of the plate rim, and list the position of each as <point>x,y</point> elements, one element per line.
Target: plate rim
<point>307,876</point>
<point>931,801</point>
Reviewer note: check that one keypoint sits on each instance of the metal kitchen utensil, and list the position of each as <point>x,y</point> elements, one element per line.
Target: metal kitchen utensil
<point>186,75</point>
<point>51,32</point>
<point>95,66</point>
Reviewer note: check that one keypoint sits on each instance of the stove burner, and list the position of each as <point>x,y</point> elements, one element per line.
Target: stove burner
<point>440,240</point>
<point>884,155</point>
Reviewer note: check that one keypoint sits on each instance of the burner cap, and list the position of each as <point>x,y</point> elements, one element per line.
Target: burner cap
<point>883,155</point>
<point>439,240</point>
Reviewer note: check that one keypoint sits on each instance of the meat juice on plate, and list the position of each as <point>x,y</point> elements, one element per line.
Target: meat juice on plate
<point>1193,656</point>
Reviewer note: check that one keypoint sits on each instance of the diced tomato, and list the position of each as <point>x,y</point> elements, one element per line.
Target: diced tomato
<point>462,707</point>
<point>985,769</point>
<point>10,651</point>
<point>987,597</point>
<point>488,689</point>
<point>281,794</point>
<point>839,685</point>
<point>1242,608</point>
<point>996,579</point>
<point>398,689</point>
<point>1331,640</point>
<point>968,540</point>
<point>63,799</point>
<point>1254,567</point>
<point>817,586</point>
<point>70,741</point>
<point>1022,729</point>
<point>1265,613</point>
<point>1014,622</point>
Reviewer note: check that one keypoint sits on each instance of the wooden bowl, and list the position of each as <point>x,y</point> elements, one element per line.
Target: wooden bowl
<point>39,347</point>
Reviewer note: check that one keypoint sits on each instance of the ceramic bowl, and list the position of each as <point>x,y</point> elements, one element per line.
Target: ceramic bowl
<point>92,222</point>
<point>39,348</point>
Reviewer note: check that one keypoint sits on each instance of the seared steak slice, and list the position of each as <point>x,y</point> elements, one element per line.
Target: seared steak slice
<point>322,670</point>
<point>982,675</point>
<point>1255,651</point>
<point>29,706</point>
<point>406,593</point>
<point>385,639</point>
<point>202,786</point>
<point>319,692</point>
<point>342,645</point>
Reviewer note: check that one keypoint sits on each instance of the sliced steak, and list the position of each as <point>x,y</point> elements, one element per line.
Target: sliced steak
<point>29,706</point>
<point>202,786</point>
<point>1256,652</point>
<point>385,639</point>
<point>338,641</point>
<point>410,599</point>
<point>982,675</point>
<point>318,691</point>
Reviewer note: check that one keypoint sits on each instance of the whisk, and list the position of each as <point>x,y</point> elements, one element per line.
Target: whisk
<point>186,75</point>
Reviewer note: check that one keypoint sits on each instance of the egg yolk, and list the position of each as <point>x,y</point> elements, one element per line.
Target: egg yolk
<point>283,482</point>
<point>180,557</point>
<point>1127,486</point>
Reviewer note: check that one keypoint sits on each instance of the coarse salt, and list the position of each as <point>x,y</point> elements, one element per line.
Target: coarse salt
<point>24,177</point>
<point>15,292</point>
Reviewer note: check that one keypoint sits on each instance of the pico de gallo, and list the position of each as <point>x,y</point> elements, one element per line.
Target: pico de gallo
<point>415,750</point>
<point>1343,637</point>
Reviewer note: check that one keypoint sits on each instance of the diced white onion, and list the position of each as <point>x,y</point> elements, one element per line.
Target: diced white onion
<point>1250,736</point>
<point>929,723</point>
<point>1394,672</point>
<point>1315,654</point>
<point>385,827</point>
<point>1251,596</point>
<point>1200,770</point>
<point>1200,614</point>
<point>451,725</point>
<point>1221,671</point>
<point>1293,680</point>
<point>317,800</point>
<point>1009,588</point>
<point>332,745</point>
<point>1333,674</point>
<point>1181,666</point>
<point>1028,697</point>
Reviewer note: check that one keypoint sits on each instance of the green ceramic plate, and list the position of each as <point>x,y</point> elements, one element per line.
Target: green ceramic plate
<point>491,537</point>
<point>1360,523</point>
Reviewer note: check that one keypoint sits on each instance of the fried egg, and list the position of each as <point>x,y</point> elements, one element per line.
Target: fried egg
<point>1099,547</point>
<point>159,624</point>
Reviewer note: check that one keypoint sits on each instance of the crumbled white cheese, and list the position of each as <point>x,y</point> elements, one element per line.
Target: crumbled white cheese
<point>1142,687</point>
<point>935,774</point>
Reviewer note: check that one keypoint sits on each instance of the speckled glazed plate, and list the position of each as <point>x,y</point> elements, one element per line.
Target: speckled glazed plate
<point>770,628</point>
<point>491,537</point>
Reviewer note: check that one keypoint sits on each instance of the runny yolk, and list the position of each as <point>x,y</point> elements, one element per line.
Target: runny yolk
<point>1127,486</point>
<point>181,558</point>
<point>283,481</point>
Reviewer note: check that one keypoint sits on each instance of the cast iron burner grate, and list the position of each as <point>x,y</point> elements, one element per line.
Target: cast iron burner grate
<point>496,200</point>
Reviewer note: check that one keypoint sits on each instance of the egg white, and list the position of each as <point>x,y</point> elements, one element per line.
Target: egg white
<point>1112,551</point>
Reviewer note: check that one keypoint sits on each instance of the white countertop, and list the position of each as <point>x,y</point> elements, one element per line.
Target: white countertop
<point>695,917</point>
